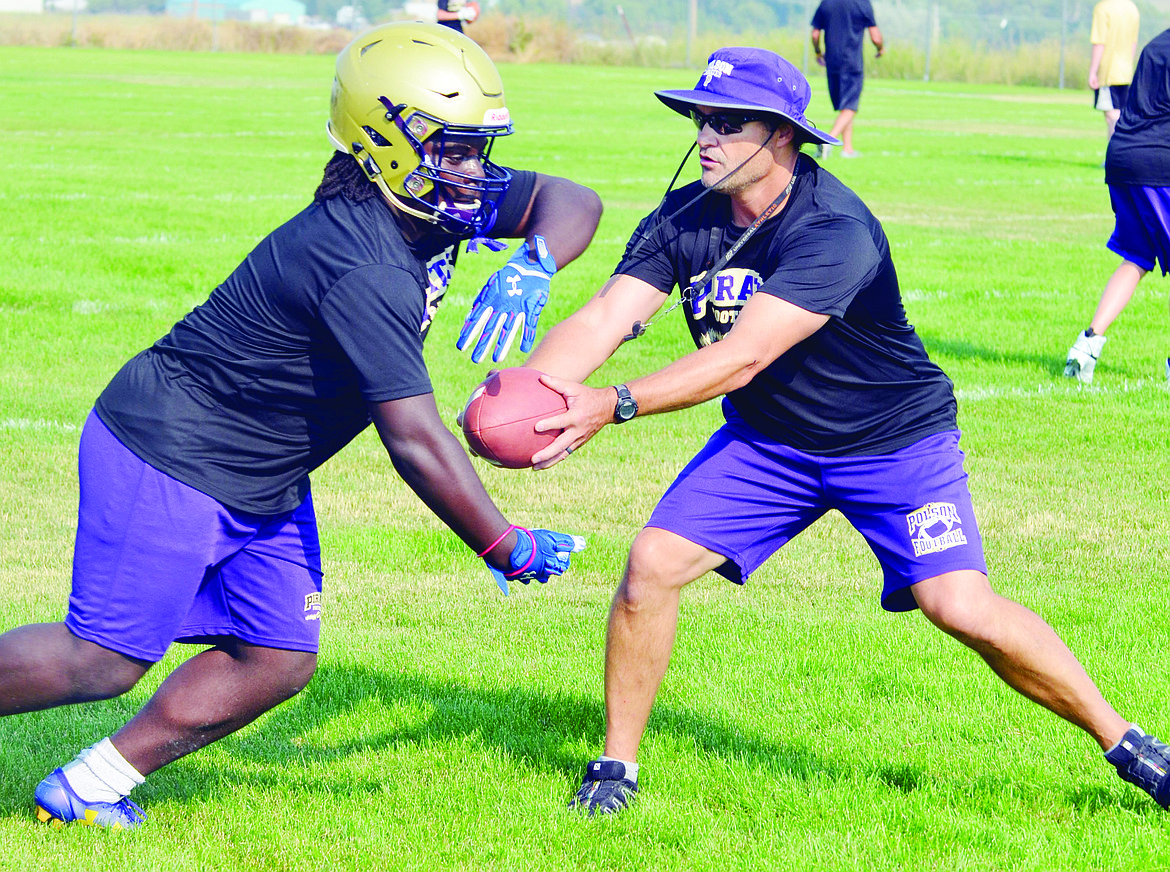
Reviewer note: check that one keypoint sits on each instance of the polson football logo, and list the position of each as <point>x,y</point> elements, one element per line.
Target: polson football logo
<point>935,527</point>
<point>716,70</point>
<point>720,302</point>
<point>313,606</point>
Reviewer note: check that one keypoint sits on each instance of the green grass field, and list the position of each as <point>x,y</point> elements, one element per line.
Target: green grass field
<point>799,726</point>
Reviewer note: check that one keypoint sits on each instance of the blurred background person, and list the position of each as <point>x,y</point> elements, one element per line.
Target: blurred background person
<point>1114,36</point>
<point>844,23</point>
<point>452,13</point>
<point>1137,170</point>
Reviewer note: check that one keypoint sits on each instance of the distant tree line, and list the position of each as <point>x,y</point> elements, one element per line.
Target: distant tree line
<point>977,20</point>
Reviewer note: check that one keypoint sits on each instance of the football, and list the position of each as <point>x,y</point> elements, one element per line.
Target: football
<point>500,418</point>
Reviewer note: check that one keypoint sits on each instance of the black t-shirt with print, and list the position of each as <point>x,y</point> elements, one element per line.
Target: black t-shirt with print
<point>863,383</point>
<point>271,376</point>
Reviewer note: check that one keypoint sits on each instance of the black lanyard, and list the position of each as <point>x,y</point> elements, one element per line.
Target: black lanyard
<point>688,293</point>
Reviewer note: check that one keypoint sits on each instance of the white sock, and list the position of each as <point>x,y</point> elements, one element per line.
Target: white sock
<point>101,774</point>
<point>1122,739</point>
<point>631,768</point>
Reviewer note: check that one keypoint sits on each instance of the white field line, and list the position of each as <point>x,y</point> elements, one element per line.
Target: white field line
<point>974,394</point>
<point>33,424</point>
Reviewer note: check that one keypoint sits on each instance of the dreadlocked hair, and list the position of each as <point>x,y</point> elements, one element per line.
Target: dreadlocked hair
<point>343,177</point>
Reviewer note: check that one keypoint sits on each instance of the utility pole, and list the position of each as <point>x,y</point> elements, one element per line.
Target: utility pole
<point>1063,36</point>
<point>692,27</point>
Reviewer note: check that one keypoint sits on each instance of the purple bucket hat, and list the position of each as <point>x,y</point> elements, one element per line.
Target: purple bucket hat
<point>754,80</point>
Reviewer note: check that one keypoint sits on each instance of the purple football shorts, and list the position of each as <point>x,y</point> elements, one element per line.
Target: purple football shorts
<point>745,495</point>
<point>1141,233</point>
<point>157,561</point>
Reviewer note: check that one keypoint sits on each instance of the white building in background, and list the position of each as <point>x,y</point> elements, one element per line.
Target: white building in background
<point>281,12</point>
<point>36,7</point>
<point>421,10</point>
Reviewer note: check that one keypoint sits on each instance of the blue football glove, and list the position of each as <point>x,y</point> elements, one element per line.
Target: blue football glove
<point>539,555</point>
<point>511,301</point>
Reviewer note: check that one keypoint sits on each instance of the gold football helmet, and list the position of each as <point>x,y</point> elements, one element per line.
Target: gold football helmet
<point>419,106</point>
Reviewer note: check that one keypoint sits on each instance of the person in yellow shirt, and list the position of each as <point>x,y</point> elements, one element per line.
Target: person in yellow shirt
<point>1114,36</point>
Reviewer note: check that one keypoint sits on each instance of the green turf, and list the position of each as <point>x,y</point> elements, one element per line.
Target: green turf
<point>799,726</point>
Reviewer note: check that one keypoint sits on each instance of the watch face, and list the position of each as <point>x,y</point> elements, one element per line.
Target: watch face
<point>626,407</point>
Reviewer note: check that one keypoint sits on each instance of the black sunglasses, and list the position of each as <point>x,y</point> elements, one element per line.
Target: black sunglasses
<point>723,123</point>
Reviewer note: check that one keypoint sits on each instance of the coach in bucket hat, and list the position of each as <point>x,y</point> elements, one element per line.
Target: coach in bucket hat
<point>751,80</point>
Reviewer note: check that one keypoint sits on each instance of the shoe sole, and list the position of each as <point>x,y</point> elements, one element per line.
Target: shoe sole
<point>58,823</point>
<point>1072,369</point>
<point>47,817</point>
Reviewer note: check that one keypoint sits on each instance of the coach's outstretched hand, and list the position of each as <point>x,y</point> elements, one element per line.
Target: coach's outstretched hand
<point>509,303</point>
<point>538,555</point>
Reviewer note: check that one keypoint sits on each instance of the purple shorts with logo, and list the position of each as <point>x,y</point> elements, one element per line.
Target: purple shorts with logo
<point>745,495</point>
<point>157,562</point>
<point>1141,233</point>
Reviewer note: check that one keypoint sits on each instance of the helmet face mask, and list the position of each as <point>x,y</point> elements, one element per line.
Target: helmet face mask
<point>454,176</point>
<point>419,106</point>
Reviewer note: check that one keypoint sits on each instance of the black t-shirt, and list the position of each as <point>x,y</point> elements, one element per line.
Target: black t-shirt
<point>844,23</point>
<point>1139,150</point>
<point>272,375</point>
<point>863,383</point>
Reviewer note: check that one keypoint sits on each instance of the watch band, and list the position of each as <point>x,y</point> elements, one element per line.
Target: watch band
<point>627,406</point>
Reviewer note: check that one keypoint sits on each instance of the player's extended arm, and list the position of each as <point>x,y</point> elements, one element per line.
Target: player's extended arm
<point>766,328</point>
<point>565,213</point>
<point>558,225</point>
<point>875,36</point>
<point>431,461</point>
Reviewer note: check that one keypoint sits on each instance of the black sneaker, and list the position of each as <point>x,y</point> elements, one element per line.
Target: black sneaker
<point>605,788</point>
<point>1144,761</point>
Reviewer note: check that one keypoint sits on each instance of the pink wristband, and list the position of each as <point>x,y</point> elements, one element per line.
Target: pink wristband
<point>511,527</point>
<point>516,572</point>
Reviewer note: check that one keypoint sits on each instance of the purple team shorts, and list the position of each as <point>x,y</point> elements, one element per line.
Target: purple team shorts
<point>845,89</point>
<point>745,496</point>
<point>157,562</point>
<point>1141,234</point>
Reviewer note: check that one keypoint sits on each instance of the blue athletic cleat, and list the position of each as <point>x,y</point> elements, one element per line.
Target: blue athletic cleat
<point>58,805</point>
<point>1144,761</point>
<point>605,788</point>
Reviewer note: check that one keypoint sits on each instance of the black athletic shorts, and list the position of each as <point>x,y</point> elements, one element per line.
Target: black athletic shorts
<point>845,89</point>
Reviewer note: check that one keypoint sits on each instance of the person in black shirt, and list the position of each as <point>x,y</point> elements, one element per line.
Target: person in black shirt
<point>1137,170</point>
<point>844,24</point>
<point>196,521</point>
<point>830,400</point>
